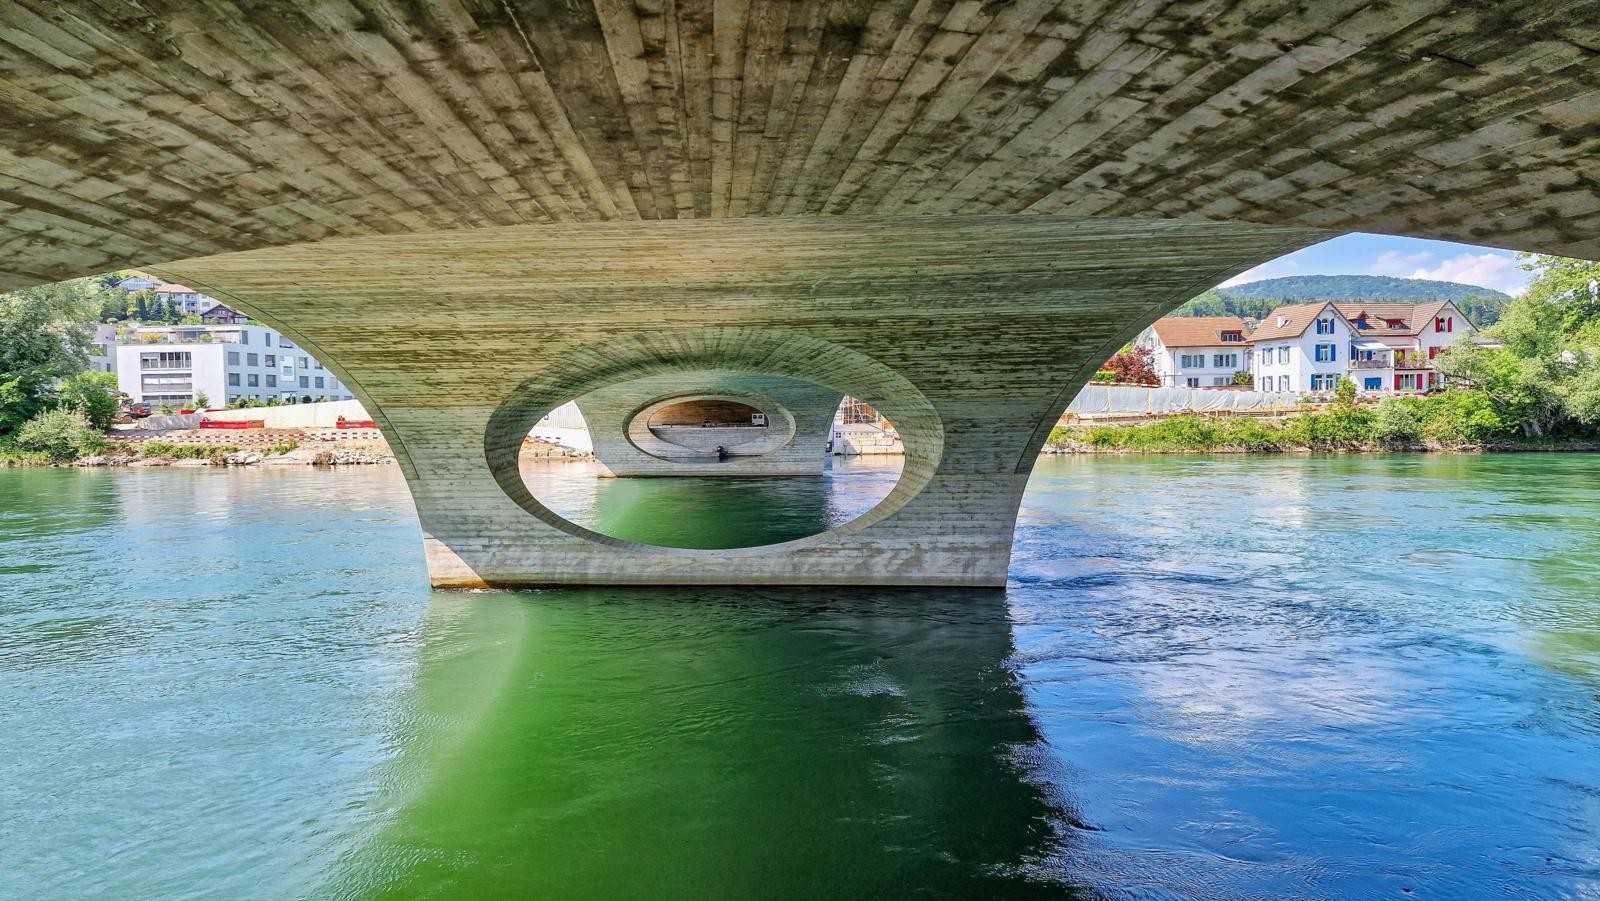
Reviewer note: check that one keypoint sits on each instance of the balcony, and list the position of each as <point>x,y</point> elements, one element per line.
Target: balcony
<point>1412,360</point>
<point>1375,363</point>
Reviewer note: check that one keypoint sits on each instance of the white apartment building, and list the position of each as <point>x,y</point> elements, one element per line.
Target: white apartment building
<point>1383,348</point>
<point>171,364</point>
<point>186,300</point>
<point>1197,351</point>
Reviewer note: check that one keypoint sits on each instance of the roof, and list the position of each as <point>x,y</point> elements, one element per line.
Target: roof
<point>176,289</point>
<point>1198,331</point>
<point>1413,317</point>
<point>1295,320</point>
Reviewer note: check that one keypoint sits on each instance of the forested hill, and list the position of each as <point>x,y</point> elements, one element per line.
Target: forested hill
<point>1255,300</point>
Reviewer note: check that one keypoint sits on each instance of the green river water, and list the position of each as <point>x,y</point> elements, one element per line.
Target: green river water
<point>1348,677</point>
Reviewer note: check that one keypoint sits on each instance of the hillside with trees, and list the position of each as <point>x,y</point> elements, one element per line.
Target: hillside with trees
<point>1254,300</point>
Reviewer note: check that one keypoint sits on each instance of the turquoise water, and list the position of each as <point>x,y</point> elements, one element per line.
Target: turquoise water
<point>1241,677</point>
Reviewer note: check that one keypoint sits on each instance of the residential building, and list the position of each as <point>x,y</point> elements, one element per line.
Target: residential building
<point>102,356</point>
<point>139,283</point>
<point>1396,343</point>
<point>1198,351</point>
<point>185,300</point>
<point>224,315</point>
<point>1382,347</point>
<point>172,364</point>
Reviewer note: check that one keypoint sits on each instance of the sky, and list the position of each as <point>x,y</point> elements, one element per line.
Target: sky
<point>1363,254</point>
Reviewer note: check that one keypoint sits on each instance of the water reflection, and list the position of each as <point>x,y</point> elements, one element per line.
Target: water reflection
<point>715,744</point>
<point>712,512</point>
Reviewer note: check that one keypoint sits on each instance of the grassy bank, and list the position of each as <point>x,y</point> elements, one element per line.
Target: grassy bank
<point>1461,420</point>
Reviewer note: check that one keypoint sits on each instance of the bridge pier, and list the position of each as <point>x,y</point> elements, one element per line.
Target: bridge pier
<point>970,333</point>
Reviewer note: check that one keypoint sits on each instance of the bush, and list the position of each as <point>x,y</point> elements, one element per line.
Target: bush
<point>1103,377</point>
<point>185,451</point>
<point>1340,428</point>
<point>1459,418</point>
<point>290,445</point>
<point>61,435</point>
<point>1397,421</point>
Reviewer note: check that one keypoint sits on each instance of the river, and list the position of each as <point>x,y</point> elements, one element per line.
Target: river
<point>1250,677</point>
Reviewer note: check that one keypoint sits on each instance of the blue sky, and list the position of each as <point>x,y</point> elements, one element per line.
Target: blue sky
<point>1363,254</point>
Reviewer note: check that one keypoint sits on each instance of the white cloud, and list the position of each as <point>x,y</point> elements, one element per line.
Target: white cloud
<point>1487,270</point>
<point>1393,262</point>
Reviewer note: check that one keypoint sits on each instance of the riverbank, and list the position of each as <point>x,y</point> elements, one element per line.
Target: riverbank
<point>1351,430</point>
<point>272,447</point>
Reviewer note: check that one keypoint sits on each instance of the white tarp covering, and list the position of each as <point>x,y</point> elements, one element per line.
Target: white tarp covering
<point>1121,399</point>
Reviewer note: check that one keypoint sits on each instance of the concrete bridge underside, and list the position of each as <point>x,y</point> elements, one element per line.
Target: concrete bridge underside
<point>477,210</point>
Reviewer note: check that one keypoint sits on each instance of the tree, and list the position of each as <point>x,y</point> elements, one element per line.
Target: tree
<point>1245,378</point>
<point>43,338</point>
<point>1344,392</point>
<point>1134,366</point>
<point>201,401</point>
<point>94,394</point>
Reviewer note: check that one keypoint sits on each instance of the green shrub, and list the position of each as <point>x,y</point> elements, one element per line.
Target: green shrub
<point>61,435</point>
<point>1103,377</point>
<point>184,451</point>
<point>1397,421</point>
<point>285,447</point>
<point>1459,418</point>
<point>1340,428</point>
<point>11,455</point>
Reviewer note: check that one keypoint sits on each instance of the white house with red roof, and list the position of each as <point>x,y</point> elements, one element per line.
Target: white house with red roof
<point>1384,348</point>
<point>1197,351</point>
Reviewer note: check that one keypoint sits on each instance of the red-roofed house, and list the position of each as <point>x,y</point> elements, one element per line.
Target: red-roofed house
<point>1197,351</point>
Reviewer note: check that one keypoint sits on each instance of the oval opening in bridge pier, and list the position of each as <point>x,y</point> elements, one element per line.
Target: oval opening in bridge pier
<point>726,467</point>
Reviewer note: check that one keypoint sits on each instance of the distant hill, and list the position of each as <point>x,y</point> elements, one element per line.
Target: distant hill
<point>1254,300</point>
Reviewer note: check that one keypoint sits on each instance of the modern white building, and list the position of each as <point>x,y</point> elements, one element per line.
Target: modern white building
<point>172,364</point>
<point>1383,348</point>
<point>1197,351</point>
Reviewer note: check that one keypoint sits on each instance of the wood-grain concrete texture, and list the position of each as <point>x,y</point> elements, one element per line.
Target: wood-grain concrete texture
<point>970,334</point>
<point>141,131</point>
<point>794,443</point>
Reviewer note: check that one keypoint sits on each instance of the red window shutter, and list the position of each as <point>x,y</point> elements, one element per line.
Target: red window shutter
<point>1433,352</point>
<point>1397,381</point>
<point>1450,324</point>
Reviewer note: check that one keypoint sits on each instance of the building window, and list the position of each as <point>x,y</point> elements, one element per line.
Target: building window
<point>1187,361</point>
<point>268,339</point>
<point>1283,383</point>
<point>1323,381</point>
<point>179,359</point>
<point>1324,326</point>
<point>233,379</point>
<point>305,381</point>
<point>233,358</point>
<point>1444,324</point>
<point>319,381</point>
<point>1232,337</point>
<point>244,337</point>
<point>252,360</point>
<point>1326,353</point>
<point>1283,355</point>
<point>253,380</point>
<point>1373,383</point>
<point>1224,361</point>
<point>285,342</point>
<point>1221,381</point>
<point>304,364</point>
<point>318,362</point>
<point>272,359</point>
<point>1408,381</point>
<point>272,381</point>
<point>1192,382</point>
